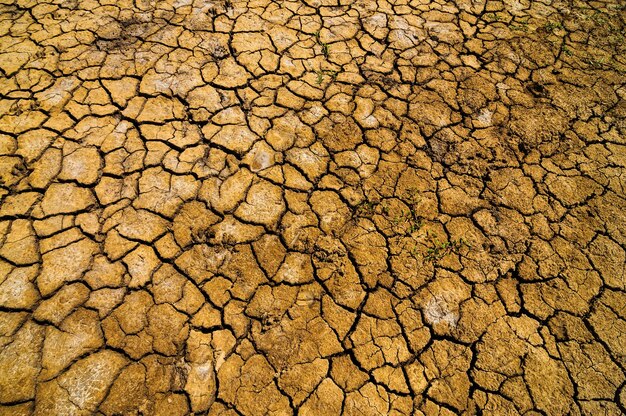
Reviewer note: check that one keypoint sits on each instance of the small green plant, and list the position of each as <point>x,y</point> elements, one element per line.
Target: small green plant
<point>599,18</point>
<point>414,251</point>
<point>567,51</point>
<point>322,72</point>
<point>320,77</point>
<point>439,249</point>
<point>492,17</point>
<point>324,45</point>
<point>616,39</point>
<point>597,63</point>
<point>415,225</point>
<point>520,27</point>
<point>412,196</point>
<point>366,209</point>
<point>398,219</point>
<point>325,50</point>
<point>409,220</point>
<point>551,27</point>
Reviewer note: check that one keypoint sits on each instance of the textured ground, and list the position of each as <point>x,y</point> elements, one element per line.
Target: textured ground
<point>321,207</point>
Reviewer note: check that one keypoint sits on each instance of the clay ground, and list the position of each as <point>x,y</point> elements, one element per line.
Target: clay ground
<point>314,207</point>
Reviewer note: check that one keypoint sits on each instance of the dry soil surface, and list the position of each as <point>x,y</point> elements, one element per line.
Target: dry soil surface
<point>314,207</point>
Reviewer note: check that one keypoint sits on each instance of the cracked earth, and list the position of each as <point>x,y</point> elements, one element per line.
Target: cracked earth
<point>314,207</point>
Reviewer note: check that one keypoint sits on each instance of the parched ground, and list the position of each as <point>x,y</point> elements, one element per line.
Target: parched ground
<point>314,207</point>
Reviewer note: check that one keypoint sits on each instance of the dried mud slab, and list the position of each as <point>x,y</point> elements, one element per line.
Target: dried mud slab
<point>314,207</point>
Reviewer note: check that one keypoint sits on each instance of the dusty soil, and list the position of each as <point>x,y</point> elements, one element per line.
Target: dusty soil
<point>321,207</point>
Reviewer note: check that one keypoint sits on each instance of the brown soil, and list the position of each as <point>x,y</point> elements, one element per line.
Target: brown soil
<point>314,207</point>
